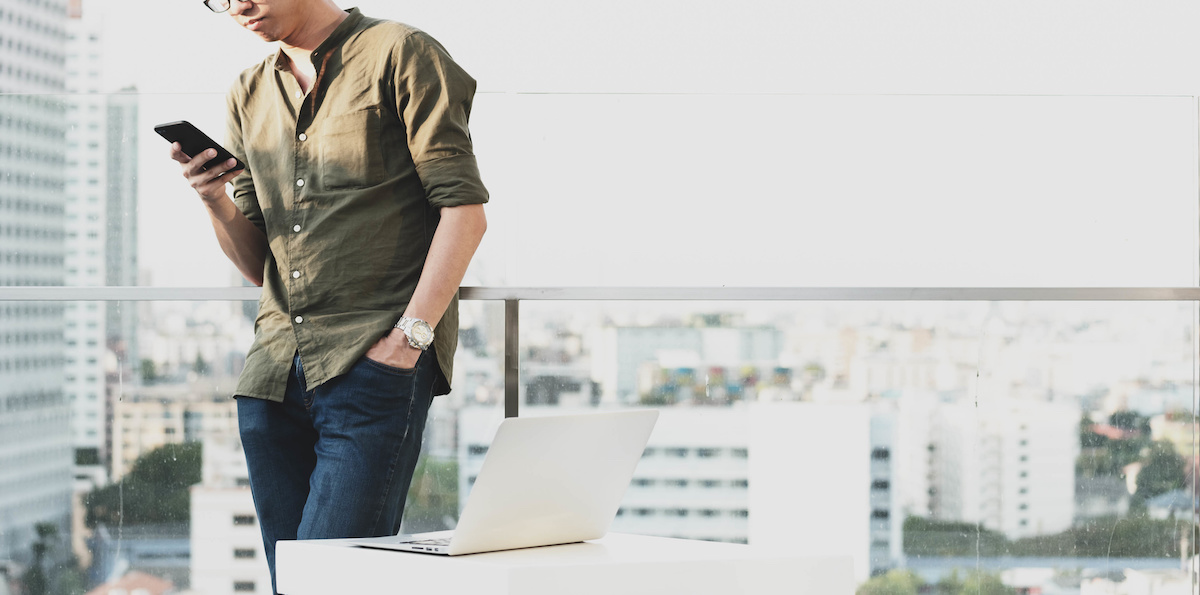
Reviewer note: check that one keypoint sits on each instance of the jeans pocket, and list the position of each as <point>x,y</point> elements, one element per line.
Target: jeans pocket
<point>382,367</point>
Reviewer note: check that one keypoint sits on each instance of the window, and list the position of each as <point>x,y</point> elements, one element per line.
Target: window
<point>244,553</point>
<point>243,587</point>
<point>243,520</point>
<point>880,454</point>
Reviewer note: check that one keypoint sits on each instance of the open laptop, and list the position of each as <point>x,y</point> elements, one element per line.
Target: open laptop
<point>544,481</point>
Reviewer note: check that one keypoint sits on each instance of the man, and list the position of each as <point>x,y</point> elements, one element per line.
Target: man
<point>358,212</point>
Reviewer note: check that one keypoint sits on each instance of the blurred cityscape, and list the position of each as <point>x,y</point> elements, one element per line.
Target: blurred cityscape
<point>948,447</point>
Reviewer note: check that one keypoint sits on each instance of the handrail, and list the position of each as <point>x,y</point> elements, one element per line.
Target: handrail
<point>513,296</point>
<point>883,294</point>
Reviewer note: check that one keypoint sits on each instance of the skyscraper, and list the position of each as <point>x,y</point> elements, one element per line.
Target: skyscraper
<point>85,242</point>
<point>35,438</point>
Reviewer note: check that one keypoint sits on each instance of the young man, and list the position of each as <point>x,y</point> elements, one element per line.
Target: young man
<point>358,212</point>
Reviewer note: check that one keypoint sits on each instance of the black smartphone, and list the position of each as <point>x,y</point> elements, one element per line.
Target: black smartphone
<point>195,142</point>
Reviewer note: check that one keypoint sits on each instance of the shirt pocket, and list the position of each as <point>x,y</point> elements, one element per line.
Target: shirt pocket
<point>350,155</point>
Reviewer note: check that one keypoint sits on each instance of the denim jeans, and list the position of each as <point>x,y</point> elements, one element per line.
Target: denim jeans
<point>336,461</point>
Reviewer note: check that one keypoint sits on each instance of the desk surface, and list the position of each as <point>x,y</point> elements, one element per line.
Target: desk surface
<point>617,564</point>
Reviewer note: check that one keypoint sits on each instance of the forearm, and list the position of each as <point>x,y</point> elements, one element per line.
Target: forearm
<point>242,242</point>
<point>454,243</point>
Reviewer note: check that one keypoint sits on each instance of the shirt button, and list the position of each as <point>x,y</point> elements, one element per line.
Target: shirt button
<point>295,228</point>
<point>299,319</point>
<point>303,136</point>
<point>295,274</point>
<point>299,182</point>
<point>299,94</point>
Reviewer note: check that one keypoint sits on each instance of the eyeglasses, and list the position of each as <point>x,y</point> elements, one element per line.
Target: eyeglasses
<point>217,5</point>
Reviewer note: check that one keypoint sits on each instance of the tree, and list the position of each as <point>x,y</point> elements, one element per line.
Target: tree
<point>1131,421</point>
<point>201,367</point>
<point>156,490</point>
<point>433,495</point>
<point>976,582</point>
<point>49,573</point>
<point>926,537</point>
<point>895,582</point>
<point>35,580</point>
<point>1162,471</point>
<point>149,371</point>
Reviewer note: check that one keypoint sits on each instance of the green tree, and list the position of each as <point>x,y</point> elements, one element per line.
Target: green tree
<point>1088,438</point>
<point>149,371</point>
<point>35,580</point>
<point>433,495</point>
<point>201,367</point>
<point>156,490</point>
<point>50,573</point>
<point>1163,470</point>
<point>895,582</point>
<point>925,537</point>
<point>984,583</point>
<point>1131,421</point>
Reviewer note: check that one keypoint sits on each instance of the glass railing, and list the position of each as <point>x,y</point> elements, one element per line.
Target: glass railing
<point>1021,438</point>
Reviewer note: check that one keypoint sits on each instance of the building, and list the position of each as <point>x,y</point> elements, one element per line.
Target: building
<point>226,545</point>
<point>35,433</point>
<point>152,416</point>
<point>135,582</point>
<point>620,355</point>
<point>85,336</point>
<point>826,470</point>
<point>1007,465</point>
<point>691,482</point>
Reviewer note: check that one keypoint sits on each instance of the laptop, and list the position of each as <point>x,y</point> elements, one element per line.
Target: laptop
<point>545,481</point>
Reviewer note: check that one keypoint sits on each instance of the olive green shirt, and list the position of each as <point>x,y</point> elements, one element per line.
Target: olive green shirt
<point>347,182</point>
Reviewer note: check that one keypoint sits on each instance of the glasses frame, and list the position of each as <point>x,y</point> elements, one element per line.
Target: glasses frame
<point>216,5</point>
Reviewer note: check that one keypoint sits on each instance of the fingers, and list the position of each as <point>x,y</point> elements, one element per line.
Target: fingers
<point>200,179</point>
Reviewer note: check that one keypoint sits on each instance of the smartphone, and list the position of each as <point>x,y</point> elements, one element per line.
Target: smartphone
<point>195,142</point>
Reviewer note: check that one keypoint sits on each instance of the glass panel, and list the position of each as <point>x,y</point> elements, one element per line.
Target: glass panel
<point>862,190</point>
<point>120,451</point>
<point>1046,444</point>
<point>842,191</point>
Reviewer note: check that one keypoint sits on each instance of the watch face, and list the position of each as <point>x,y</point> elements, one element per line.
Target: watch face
<point>421,332</point>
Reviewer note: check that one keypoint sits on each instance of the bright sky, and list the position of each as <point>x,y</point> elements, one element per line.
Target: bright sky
<point>812,144</point>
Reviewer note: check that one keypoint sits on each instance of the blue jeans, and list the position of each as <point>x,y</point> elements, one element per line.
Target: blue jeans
<point>336,461</point>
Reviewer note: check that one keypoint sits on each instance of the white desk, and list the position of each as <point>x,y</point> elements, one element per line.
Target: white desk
<point>618,564</point>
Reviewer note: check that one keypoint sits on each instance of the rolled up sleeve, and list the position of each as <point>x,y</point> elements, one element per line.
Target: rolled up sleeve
<point>433,96</point>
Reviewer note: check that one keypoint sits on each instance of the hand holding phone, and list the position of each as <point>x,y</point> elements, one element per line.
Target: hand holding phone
<point>193,142</point>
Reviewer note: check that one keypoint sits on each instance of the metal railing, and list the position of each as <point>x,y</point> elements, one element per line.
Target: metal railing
<point>513,296</point>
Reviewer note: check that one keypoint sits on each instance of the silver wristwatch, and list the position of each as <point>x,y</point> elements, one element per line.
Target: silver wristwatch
<point>419,333</point>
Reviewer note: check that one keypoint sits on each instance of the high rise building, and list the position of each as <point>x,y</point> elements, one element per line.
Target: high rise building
<point>826,470</point>
<point>1008,465</point>
<point>35,433</point>
<point>85,242</point>
<point>120,255</point>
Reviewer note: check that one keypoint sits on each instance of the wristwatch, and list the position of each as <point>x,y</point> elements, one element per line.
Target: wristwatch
<point>419,333</point>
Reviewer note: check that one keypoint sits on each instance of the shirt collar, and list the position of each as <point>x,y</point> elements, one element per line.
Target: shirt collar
<point>343,30</point>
